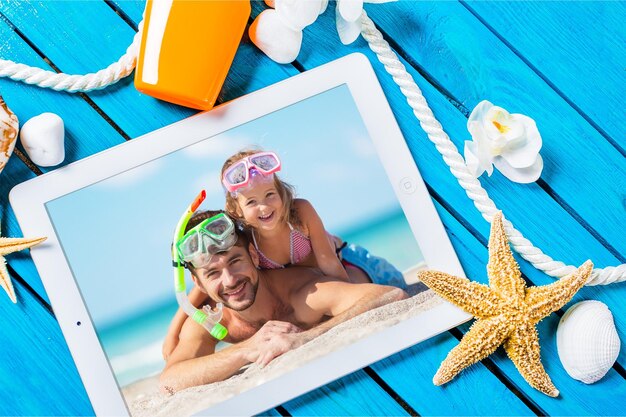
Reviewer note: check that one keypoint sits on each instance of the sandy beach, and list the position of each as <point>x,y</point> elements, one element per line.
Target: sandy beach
<point>144,399</point>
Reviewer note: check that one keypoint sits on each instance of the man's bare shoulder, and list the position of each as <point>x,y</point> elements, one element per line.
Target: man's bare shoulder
<point>194,341</point>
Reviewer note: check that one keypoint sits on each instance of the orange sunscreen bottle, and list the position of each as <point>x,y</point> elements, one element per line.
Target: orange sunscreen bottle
<point>187,47</point>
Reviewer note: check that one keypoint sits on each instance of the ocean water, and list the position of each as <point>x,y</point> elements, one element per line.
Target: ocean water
<point>133,345</point>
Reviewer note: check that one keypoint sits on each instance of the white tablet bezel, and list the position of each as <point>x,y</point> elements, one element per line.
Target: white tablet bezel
<point>28,200</point>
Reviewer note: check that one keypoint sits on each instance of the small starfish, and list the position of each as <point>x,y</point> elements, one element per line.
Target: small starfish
<point>506,310</point>
<point>9,245</point>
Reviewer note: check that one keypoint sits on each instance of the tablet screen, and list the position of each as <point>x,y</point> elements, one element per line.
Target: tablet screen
<point>116,233</point>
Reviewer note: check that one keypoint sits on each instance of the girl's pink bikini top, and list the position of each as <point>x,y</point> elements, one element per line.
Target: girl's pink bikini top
<point>299,248</point>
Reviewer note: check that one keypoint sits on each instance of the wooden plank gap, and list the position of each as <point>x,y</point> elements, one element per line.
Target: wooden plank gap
<point>620,370</point>
<point>561,202</point>
<point>122,14</point>
<point>456,214</point>
<point>282,411</point>
<point>392,393</point>
<point>26,160</point>
<point>105,116</point>
<point>27,41</point>
<point>298,66</point>
<point>424,73</point>
<point>28,288</point>
<point>553,86</point>
<point>488,363</point>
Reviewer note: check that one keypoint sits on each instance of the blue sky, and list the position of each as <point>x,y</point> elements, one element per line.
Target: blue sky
<point>116,234</point>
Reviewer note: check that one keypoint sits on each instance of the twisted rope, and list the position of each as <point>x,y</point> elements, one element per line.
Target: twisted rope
<point>75,83</point>
<point>125,65</point>
<point>452,157</point>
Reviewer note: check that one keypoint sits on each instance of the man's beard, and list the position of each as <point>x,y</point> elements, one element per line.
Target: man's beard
<point>245,304</point>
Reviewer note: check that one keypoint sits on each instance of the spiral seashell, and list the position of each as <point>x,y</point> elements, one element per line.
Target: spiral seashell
<point>587,341</point>
<point>9,126</point>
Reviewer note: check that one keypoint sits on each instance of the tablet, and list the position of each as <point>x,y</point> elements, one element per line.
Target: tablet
<point>110,218</point>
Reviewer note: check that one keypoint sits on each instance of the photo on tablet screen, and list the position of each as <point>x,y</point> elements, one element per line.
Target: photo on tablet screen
<point>116,234</point>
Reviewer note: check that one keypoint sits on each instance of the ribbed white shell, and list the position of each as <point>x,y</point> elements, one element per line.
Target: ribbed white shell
<point>9,127</point>
<point>587,341</point>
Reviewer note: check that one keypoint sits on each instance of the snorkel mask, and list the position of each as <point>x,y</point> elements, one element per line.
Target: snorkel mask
<point>196,247</point>
<point>258,167</point>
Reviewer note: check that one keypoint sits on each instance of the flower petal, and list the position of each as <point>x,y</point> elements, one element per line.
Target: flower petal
<point>479,112</point>
<point>270,3</point>
<point>350,10</point>
<point>323,6</point>
<point>278,41</point>
<point>348,31</point>
<point>476,161</point>
<point>520,175</point>
<point>521,154</point>
<point>298,14</point>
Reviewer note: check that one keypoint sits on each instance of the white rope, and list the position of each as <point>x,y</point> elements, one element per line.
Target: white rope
<point>459,169</point>
<point>432,127</point>
<point>75,83</point>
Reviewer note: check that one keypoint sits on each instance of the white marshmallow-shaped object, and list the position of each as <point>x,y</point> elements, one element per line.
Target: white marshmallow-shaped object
<point>272,36</point>
<point>43,138</point>
<point>587,341</point>
<point>298,14</point>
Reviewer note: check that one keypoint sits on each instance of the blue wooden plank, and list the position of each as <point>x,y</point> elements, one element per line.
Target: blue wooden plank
<point>578,47</point>
<point>37,375</point>
<point>580,165</point>
<point>352,395</point>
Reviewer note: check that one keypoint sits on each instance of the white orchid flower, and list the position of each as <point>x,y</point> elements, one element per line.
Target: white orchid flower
<point>348,18</point>
<point>511,142</point>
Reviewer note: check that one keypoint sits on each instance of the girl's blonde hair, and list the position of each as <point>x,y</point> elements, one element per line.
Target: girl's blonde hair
<point>285,191</point>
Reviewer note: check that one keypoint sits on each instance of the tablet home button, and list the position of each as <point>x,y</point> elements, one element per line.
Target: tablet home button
<point>407,185</point>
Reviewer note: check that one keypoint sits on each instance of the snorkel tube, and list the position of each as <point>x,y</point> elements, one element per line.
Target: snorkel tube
<point>207,318</point>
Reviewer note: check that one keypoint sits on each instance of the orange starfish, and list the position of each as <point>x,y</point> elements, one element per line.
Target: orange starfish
<point>9,245</point>
<point>506,310</point>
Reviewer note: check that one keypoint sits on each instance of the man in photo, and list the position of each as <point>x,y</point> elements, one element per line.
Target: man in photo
<point>266,312</point>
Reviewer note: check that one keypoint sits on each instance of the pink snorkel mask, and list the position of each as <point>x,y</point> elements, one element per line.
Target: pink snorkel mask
<point>251,170</point>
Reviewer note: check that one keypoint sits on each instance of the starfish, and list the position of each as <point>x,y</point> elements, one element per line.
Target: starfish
<point>9,245</point>
<point>507,312</point>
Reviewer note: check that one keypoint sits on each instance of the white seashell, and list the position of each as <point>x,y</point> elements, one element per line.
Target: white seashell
<point>277,40</point>
<point>298,14</point>
<point>9,126</point>
<point>43,138</point>
<point>587,341</point>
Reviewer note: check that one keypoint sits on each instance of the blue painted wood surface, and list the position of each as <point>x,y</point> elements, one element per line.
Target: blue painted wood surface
<point>560,63</point>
